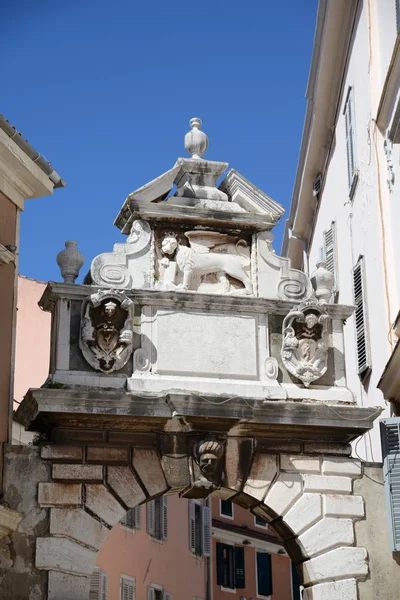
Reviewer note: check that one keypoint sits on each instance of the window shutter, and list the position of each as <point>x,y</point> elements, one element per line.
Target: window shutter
<point>220,563</point>
<point>128,589</point>
<point>330,252</point>
<point>166,596</point>
<point>104,587</point>
<point>264,574</point>
<point>150,517</point>
<point>350,140</point>
<point>390,434</point>
<point>362,342</point>
<point>239,567</point>
<point>164,505</point>
<point>138,517</point>
<point>192,526</point>
<point>206,530</point>
<point>95,585</point>
<point>398,15</point>
<point>151,595</point>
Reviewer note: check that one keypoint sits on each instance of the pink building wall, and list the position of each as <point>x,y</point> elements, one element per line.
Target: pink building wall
<point>169,563</point>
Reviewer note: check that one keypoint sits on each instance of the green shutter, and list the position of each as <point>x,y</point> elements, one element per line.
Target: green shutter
<point>390,435</point>
<point>264,574</point>
<point>220,563</point>
<point>239,567</point>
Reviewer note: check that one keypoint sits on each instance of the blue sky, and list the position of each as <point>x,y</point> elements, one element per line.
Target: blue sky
<point>105,91</point>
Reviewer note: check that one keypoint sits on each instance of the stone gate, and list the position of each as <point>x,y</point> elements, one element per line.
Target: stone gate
<point>192,361</point>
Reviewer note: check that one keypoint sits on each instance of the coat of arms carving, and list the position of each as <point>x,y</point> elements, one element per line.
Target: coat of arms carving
<point>106,337</point>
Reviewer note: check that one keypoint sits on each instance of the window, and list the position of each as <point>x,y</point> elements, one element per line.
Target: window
<point>127,588</point>
<point>330,253</point>
<point>133,518</point>
<point>156,592</point>
<point>259,522</point>
<point>157,518</point>
<point>226,509</point>
<point>98,589</point>
<point>362,337</point>
<point>199,529</point>
<point>352,173</point>
<point>264,574</point>
<point>230,566</point>
<point>390,435</point>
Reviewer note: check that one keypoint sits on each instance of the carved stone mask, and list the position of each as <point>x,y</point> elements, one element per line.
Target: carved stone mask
<point>208,455</point>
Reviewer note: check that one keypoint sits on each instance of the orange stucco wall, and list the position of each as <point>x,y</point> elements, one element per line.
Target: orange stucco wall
<point>8,235</point>
<point>169,563</point>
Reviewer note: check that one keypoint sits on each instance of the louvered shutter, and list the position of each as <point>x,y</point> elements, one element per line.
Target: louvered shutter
<point>350,140</point>
<point>362,341</point>
<point>166,596</point>
<point>128,588</point>
<point>206,530</point>
<point>150,517</point>
<point>164,505</point>
<point>264,574</point>
<point>239,568</point>
<point>151,595</point>
<point>138,517</point>
<point>330,252</point>
<point>95,585</point>
<point>104,587</point>
<point>192,526</point>
<point>390,435</point>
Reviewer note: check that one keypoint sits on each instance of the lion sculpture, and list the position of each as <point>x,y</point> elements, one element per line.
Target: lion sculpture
<point>198,260</point>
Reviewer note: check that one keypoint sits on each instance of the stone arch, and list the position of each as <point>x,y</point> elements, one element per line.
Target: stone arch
<point>306,498</point>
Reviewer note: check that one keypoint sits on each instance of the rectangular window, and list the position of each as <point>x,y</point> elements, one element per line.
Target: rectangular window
<point>352,172</point>
<point>156,592</point>
<point>361,323</point>
<point>329,253</point>
<point>390,435</point>
<point>133,518</point>
<point>226,509</point>
<point>199,528</point>
<point>230,566</point>
<point>264,574</point>
<point>259,522</point>
<point>157,518</point>
<point>127,588</point>
<point>98,589</point>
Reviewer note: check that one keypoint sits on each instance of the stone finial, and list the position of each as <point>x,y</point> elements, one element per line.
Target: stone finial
<point>70,261</point>
<point>196,141</point>
<point>322,281</point>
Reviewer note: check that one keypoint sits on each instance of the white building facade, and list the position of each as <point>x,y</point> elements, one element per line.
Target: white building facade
<point>346,200</point>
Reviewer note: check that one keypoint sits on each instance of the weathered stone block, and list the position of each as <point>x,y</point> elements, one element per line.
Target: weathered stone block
<point>107,454</point>
<point>327,448</point>
<point>262,473</point>
<point>341,563</point>
<point>238,457</point>
<point>264,445</point>
<point>103,504</point>
<point>60,494</point>
<point>146,463</point>
<point>78,472</point>
<point>343,506</point>
<point>9,521</point>
<point>176,470</point>
<point>66,453</point>
<point>303,464</point>
<point>125,485</point>
<point>284,492</point>
<point>334,590</point>
<point>326,534</point>
<point>327,483</point>
<point>304,513</point>
<point>61,554</point>
<point>77,524</point>
<point>341,466</point>
<point>63,586</point>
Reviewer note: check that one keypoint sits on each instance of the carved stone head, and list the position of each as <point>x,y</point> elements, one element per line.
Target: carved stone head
<point>208,454</point>
<point>169,244</point>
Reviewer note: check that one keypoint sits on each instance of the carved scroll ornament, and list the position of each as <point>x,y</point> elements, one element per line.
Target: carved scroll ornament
<point>106,336</point>
<point>111,268</point>
<point>305,342</point>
